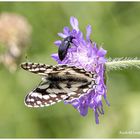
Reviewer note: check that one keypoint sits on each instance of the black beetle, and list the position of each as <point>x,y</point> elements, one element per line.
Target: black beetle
<point>63,48</point>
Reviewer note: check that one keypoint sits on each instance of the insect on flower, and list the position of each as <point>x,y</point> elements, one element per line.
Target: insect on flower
<point>77,80</point>
<point>85,53</point>
<point>61,82</point>
<point>63,48</point>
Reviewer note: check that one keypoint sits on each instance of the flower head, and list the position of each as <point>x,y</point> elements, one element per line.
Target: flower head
<point>15,34</point>
<point>86,54</point>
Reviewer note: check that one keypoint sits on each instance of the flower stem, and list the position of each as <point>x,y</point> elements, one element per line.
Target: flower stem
<point>122,63</point>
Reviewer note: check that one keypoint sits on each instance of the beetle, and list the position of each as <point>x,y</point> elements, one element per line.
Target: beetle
<point>63,48</point>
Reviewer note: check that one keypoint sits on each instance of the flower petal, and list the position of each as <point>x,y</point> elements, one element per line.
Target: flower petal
<point>83,110</point>
<point>101,60</point>
<point>74,23</point>
<point>62,35</point>
<point>58,42</point>
<point>101,52</point>
<point>66,30</point>
<point>89,29</point>
<point>96,117</point>
<point>55,57</point>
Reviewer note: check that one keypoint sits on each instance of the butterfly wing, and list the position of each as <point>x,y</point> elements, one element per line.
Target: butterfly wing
<point>37,68</point>
<point>43,95</point>
<point>61,82</point>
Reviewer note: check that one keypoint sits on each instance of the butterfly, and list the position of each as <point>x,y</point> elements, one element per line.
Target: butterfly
<point>59,83</point>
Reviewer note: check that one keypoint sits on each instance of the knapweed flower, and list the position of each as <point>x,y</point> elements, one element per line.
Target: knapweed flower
<point>15,34</point>
<point>86,54</point>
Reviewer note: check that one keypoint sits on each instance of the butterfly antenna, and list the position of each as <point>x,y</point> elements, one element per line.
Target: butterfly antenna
<point>26,57</point>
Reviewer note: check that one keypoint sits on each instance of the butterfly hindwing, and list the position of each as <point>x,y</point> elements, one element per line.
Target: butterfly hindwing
<point>61,82</point>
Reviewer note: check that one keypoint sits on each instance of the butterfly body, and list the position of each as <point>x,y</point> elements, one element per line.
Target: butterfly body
<point>60,82</point>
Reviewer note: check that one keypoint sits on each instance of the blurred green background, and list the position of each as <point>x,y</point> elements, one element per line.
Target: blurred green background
<point>116,26</point>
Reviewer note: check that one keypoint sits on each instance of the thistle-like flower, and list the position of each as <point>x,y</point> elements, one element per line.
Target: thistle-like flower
<point>86,54</point>
<point>15,33</point>
<point>80,80</point>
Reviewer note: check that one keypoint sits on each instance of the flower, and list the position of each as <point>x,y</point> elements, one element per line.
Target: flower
<point>15,34</point>
<point>86,54</point>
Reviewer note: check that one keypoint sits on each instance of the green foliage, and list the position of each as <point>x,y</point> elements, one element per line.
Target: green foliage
<point>116,27</point>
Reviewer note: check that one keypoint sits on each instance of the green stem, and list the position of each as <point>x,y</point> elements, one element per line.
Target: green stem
<point>122,63</point>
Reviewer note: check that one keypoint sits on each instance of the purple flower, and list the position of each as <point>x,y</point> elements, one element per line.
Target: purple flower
<point>86,54</point>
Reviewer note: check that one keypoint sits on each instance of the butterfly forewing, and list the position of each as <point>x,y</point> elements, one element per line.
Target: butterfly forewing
<point>60,82</point>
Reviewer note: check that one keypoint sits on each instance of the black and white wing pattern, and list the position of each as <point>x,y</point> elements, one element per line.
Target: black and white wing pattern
<point>60,82</point>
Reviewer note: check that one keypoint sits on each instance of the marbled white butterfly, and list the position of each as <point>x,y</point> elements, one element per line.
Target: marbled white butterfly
<point>60,82</point>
